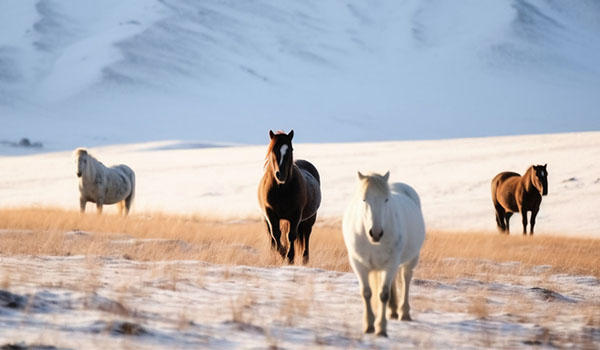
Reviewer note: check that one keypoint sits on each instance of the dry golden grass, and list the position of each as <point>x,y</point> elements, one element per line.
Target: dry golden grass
<point>155,236</point>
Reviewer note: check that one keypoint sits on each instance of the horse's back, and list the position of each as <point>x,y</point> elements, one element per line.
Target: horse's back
<point>120,183</point>
<point>402,188</point>
<point>504,186</point>
<point>313,187</point>
<point>410,220</point>
<point>308,167</point>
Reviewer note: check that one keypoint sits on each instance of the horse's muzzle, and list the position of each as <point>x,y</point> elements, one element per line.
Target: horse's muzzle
<point>279,177</point>
<point>376,238</point>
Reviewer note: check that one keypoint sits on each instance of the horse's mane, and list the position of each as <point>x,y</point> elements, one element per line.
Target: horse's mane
<point>80,151</point>
<point>83,151</point>
<point>373,180</point>
<point>528,177</point>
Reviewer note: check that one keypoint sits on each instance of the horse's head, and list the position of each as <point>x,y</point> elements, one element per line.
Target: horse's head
<point>375,194</point>
<point>279,157</point>
<point>540,178</point>
<point>81,159</point>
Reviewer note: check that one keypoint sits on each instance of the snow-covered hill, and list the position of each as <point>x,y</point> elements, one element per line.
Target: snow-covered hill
<point>120,71</point>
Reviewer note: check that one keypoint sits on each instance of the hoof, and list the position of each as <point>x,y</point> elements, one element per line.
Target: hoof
<point>382,334</point>
<point>406,317</point>
<point>370,329</point>
<point>394,316</point>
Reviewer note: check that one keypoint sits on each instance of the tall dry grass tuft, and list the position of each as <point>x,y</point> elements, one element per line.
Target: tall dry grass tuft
<point>157,236</point>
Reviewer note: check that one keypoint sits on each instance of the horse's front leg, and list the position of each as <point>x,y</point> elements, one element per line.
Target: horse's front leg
<point>534,213</point>
<point>524,217</point>
<point>82,203</point>
<point>384,296</point>
<point>292,234</point>
<point>275,231</point>
<point>99,204</point>
<point>365,290</point>
<point>270,232</point>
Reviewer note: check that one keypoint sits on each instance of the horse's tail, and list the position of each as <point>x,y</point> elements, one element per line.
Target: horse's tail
<point>129,199</point>
<point>494,187</point>
<point>410,192</point>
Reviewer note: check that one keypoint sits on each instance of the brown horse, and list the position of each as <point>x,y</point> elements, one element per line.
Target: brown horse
<point>289,190</point>
<point>513,193</point>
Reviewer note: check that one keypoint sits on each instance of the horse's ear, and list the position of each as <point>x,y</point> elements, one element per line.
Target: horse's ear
<point>291,134</point>
<point>545,165</point>
<point>271,134</point>
<point>361,176</point>
<point>386,176</point>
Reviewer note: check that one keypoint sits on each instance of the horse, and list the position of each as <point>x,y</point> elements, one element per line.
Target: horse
<point>512,193</point>
<point>383,230</point>
<point>101,185</point>
<point>291,191</point>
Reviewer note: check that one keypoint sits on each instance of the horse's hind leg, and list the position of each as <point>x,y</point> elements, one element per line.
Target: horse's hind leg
<point>122,207</point>
<point>82,203</point>
<point>500,213</point>
<point>127,204</point>
<point>406,273</point>
<point>507,216</point>
<point>393,305</point>
<point>305,230</point>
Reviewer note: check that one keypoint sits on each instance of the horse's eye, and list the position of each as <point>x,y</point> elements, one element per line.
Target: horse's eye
<point>387,199</point>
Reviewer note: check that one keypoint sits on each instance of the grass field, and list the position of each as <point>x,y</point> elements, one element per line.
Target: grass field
<point>156,236</point>
<point>498,291</point>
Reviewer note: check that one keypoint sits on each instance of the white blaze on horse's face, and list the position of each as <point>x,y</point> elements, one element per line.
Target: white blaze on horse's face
<point>282,152</point>
<point>281,168</point>
<point>81,164</point>
<point>374,215</point>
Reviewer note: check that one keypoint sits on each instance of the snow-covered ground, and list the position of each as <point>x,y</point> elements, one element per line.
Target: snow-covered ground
<point>111,303</point>
<point>452,176</point>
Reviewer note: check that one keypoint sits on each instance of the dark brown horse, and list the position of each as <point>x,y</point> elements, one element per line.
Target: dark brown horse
<point>513,193</point>
<point>289,190</point>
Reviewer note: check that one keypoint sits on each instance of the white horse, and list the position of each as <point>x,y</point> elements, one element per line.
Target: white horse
<point>102,185</point>
<point>383,229</point>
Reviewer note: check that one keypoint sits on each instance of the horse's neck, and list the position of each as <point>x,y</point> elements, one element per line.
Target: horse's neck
<point>93,166</point>
<point>527,180</point>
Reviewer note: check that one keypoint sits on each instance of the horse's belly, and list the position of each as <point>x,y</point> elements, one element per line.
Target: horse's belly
<point>509,203</point>
<point>117,189</point>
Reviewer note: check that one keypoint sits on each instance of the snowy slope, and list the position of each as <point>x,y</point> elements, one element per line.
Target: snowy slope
<point>98,73</point>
